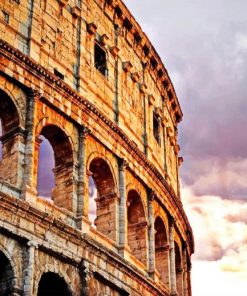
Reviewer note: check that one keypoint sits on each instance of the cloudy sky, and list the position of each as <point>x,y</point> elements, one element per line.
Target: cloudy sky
<point>203,44</point>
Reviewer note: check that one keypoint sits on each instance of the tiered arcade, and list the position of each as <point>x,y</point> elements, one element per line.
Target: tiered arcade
<point>82,76</point>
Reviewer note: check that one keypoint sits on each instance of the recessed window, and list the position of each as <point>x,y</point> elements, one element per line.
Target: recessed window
<point>6,17</point>
<point>58,74</point>
<point>100,59</point>
<point>156,128</point>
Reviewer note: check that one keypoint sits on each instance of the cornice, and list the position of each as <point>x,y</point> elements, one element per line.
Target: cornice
<point>39,71</point>
<point>144,43</point>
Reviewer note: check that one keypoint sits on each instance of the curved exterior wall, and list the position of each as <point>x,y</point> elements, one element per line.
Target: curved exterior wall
<point>85,76</point>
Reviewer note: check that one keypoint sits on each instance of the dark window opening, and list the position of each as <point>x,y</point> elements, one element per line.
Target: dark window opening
<point>52,284</point>
<point>100,59</point>
<point>6,17</point>
<point>156,128</point>
<point>118,11</point>
<point>127,24</point>
<point>58,74</point>
<point>145,50</point>
<point>160,73</point>
<point>137,38</point>
<point>153,63</point>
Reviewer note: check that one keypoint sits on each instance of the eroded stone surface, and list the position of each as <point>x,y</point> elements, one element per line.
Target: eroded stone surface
<point>84,76</point>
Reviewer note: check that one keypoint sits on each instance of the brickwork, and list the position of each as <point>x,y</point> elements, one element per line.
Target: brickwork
<point>83,76</point>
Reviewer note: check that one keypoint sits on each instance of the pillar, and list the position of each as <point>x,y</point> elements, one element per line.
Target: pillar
<point>122,204</point>
<point>185,271</point>
<point>82,177</point>
<point>151,233</point>
<point>27,187</point>
<point>189,279</point>
<point>173,285</point>
<point>29,269</point>
<point>86,276</point>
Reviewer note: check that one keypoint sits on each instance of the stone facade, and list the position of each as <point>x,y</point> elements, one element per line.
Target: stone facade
<point>83,76</point>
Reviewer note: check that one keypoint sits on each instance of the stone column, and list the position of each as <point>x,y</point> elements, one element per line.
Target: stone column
<point>185,271</point>
<point>151,234</point>
<point>86,276</point>
<point>82,177</point>
<point>29,269</point>
<point>189,279</point>
<point>27,188</point>
<point>173,285</point>
<point>122,204</point>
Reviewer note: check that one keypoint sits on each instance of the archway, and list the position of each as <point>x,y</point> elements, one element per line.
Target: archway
<point>104,193</point>
<point>53,285</point>
<point>137,226</point>
<point>62,159</point>
<point>161,250</point>
<point>6,275</point>
<point>11,139</point>
<point>46,178</point>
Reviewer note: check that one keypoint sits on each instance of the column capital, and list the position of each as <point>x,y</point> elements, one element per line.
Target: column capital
<point>84,132</point>
<point>32,244</point>
<point>122,164</point>
<point>172,221</point>
<point>151,194</point>
<point>34,93</point>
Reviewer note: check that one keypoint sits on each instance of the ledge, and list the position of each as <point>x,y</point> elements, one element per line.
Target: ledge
<point>37,70</point>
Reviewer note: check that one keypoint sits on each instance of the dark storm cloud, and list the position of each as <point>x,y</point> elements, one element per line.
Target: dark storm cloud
<point>204,46</point>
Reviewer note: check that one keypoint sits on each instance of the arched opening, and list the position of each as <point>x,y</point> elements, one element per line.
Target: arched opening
<point>6,276</point>
<point>93,194</point>
<point>104,190</point>
<point>137,227</point>
<point>161,250</point>
<point>56,151</point>
<point>53,285</point>
<point>46,179</point>
<point>11,139</point>
<point>179,270</point>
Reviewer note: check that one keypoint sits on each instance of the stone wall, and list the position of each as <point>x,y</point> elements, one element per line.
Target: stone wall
<point>86,78</point>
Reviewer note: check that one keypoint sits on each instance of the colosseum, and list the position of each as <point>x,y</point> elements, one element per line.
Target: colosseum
<point>89,188</point>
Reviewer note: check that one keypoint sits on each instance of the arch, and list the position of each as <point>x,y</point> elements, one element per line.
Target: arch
<point>179,270</point>
<point>62,193</point>
<point>12,138</point>
<point>137,226</point>
<point>63,152</point>
<point>6,275</point>
<point>106,198</point>
<point>161,250</point>
<point>8,113</point>
<point>52,284</point>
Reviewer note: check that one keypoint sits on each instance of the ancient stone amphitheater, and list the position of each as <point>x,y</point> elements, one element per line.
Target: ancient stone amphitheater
<point>83,77</point>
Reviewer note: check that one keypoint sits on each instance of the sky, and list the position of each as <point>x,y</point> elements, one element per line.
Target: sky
<point>203,45</point>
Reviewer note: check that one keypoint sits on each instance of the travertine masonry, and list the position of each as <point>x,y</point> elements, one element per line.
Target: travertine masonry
<point>83,75</point>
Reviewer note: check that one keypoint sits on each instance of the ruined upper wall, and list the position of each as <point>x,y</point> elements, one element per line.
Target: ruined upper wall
<point>61,35</point>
